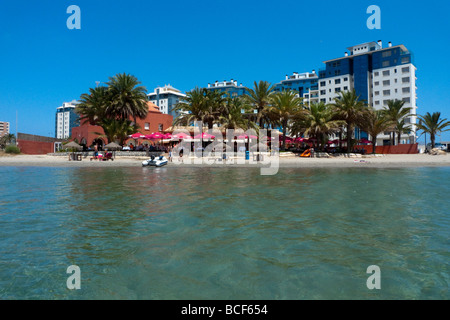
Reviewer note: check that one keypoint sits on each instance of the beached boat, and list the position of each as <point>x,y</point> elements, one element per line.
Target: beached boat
<point>155,162</point>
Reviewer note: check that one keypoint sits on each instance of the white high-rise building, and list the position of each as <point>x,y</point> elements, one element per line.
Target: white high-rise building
<point>66,119</point>
<point>166,99</point>
<point>378,75</point>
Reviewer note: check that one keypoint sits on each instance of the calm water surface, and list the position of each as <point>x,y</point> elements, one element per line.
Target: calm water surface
<point>228,233</point>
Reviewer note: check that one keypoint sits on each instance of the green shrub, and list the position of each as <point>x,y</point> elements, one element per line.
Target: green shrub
<point>12,149</point>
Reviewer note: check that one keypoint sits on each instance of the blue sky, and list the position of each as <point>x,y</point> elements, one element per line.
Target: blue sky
<point>193,43</point>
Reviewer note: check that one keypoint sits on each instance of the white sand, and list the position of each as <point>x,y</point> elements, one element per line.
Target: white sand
<point>387,161</point>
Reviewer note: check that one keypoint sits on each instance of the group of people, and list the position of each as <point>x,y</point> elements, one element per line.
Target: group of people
<point>146,147</point>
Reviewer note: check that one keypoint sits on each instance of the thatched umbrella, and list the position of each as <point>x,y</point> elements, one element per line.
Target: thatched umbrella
<point>113,147</point>
<point>74,146</point>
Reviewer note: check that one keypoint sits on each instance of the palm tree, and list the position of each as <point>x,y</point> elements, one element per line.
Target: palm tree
<point>7,139</point>
<point>117,130</point>
<point>374,122</point>
<point>319,122</point>
<point>212,107</point>
<point>92,107</point>
<point>127,99</point>
<point>191,107</point>
<point>259,98</point>
<point>433,124</point>
<point>395,112</point>
<point>232,116</point>
<point>349,108</point>
<point>284,106</point>
<point>402,127</point>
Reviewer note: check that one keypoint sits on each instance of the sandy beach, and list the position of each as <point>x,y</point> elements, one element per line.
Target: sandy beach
<point>383,161</point>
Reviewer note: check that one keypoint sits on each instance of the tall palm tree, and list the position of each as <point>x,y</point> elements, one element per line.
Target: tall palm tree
<point>395,112</point>
<point>127,98</point>
<point>212,107</point>
<point>232,116</point>
<point>316,121</point>
<point>374,123</point>
<point>401,127</point>
<point>259,99</point>
<point>350,109</point>
<point>117,130</point>
<point>433,124</point>
<point>284,106</point>
<point>92,107</point>
<point>191,107</point>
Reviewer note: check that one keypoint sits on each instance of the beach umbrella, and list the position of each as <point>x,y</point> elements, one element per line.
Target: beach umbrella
<point>300,139</point>
<point>244,136</point>
<point>364,140</point>
<point>156,136</point>
<point>74,146</point>
<point>167,136</point>
<point>113,146</point>
<point>137,136</point>
<point>204,136</point>
<point>181,136</point>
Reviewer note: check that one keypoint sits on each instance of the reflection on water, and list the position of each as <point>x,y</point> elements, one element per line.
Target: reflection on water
<point>177,233</point>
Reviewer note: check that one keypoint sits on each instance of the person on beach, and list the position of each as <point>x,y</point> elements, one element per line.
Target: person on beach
<point>180,152</point>
<point>169,149</point>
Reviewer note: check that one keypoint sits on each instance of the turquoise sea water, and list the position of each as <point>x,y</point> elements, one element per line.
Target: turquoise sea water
<point>228,233</point>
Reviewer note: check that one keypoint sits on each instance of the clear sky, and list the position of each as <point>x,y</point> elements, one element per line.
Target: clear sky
<point>193,43</point>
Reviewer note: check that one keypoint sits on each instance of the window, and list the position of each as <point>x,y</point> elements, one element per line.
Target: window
<point>395,80</point>
<point>407,100</point>
<point>323,100</point>
<point>377,103</point>
<point>337,72</point>
<point>322,92</point>
<point>386,83</point>
<point>406,90</point>
<point>377,74</point>
<point>160,127</point>
<point>386,73</point>
<point>337,81</point>
<point>337,90</point>
<point>323,83</point>
<point>385,102</point>
<point>387,54</point>
<point>345,88</point>
<point>405,60</point>
<point>377,83</point>
<point>386,92</point>
<point>147,126</point>
<point>377,93</point>
<point>405,80</point>
<point>345,79</point>
<point>386,64</point>
<point>405,70</point>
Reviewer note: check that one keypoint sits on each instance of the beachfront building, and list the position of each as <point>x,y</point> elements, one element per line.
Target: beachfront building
<point>66,119</point>
<point>306,84</point>
<point>230,88</point>
<point>166,99</point>
<point>378,74</point>
<point>155,121</point>
<point>4,128</point>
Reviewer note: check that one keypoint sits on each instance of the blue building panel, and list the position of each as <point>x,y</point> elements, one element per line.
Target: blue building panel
<point>361,69</point>
<point>336,68</point>
<point>390,58</point>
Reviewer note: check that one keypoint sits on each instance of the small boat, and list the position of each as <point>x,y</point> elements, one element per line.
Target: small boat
<point>155,162</point>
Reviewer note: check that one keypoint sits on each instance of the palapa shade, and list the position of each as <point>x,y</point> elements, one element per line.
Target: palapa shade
<point>113,146</point>
<point>73,145</point>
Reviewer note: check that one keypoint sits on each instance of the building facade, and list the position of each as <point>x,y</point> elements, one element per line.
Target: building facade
<point>230,88</point>
<point>306,84</point>
<point>88,135</point>
<point>4,128</point>
<point>66,120</point>
<point>166,99</point>
<point>378,75</point>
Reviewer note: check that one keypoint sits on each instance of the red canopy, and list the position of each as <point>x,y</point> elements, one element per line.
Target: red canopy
<point>204,136</point>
